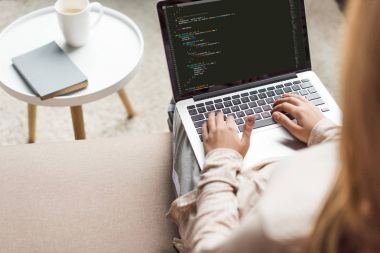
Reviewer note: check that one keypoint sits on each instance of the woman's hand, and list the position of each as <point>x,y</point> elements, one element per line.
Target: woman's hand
<point>218,133</point>
<point>306,114</point>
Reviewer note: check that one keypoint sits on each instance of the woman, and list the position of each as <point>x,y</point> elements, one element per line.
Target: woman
<point>323,199</point>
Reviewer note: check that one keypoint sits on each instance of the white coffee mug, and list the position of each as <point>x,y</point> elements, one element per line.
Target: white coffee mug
<point>74,20</point>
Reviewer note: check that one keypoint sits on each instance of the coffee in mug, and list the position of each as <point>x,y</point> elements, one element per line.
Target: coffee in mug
<point>71,10</point>
<point>74,20</point>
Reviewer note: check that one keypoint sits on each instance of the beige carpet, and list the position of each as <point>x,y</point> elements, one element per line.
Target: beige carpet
<point>150,90</point>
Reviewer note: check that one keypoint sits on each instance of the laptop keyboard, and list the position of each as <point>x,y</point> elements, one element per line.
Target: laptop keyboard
<point>257,102</point>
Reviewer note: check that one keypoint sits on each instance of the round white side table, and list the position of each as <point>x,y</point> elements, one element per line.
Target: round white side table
<point>109,61</point>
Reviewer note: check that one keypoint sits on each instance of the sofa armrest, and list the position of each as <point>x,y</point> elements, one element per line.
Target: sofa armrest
<point>87,196</point>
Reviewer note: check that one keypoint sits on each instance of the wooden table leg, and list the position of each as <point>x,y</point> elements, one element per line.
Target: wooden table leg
<point>32,115</point>
<point>78,122</point>
<point>124,98</point>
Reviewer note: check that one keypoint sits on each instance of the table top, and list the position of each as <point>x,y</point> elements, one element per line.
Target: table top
<point>109,60</point>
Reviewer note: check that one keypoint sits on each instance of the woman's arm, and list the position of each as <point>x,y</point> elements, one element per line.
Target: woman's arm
<point>217,212</point>
<point>218,225</point>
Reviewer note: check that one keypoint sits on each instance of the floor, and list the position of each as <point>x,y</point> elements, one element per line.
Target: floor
<point>150,90</point>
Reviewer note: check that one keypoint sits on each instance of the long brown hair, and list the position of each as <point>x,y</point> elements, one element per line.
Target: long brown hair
<point>350,219</point>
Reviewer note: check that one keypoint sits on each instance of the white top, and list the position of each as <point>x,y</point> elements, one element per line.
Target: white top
<point>109,60</point>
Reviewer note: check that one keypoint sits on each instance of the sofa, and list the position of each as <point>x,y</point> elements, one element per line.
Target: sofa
<point>87,196</point>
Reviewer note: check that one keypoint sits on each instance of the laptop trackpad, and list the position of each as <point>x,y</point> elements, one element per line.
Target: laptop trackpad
<point>271,143</point>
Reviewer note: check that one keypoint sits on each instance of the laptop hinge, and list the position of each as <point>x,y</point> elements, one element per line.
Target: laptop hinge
<point>244,86</point>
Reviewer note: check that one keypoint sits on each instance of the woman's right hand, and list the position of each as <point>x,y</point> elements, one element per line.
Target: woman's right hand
<point>306,114</point>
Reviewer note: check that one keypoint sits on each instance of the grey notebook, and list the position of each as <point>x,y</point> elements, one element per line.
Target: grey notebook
<point>49,72</point>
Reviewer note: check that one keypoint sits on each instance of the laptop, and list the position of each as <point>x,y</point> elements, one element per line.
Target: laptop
<point>239,56</point>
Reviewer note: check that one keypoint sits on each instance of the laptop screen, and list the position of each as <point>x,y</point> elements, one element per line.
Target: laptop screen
<point>216,44</point>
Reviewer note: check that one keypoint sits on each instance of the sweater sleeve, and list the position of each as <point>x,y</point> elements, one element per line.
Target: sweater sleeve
<point>217,207</point>
<point>325,130</point>
<point>218,226</point>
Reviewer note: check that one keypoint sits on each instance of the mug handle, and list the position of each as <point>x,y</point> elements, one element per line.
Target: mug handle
<point>99,6</point>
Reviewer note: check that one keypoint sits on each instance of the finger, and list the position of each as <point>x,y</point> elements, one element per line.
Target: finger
<point>286,107</point>
<point>249,122</point>
<point>220,119</point>
<point>211,121</point>
<point>204,131</point>
<point>230,122</point>
<point>288,99</point>
<point>283,120</point>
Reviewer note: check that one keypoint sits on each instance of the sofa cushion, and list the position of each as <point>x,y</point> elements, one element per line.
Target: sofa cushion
<point>87,196</point>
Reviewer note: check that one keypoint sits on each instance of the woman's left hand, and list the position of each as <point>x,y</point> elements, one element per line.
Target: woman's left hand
<point>218,133</point>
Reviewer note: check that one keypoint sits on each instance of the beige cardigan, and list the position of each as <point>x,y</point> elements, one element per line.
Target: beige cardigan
<point>270,207</point>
